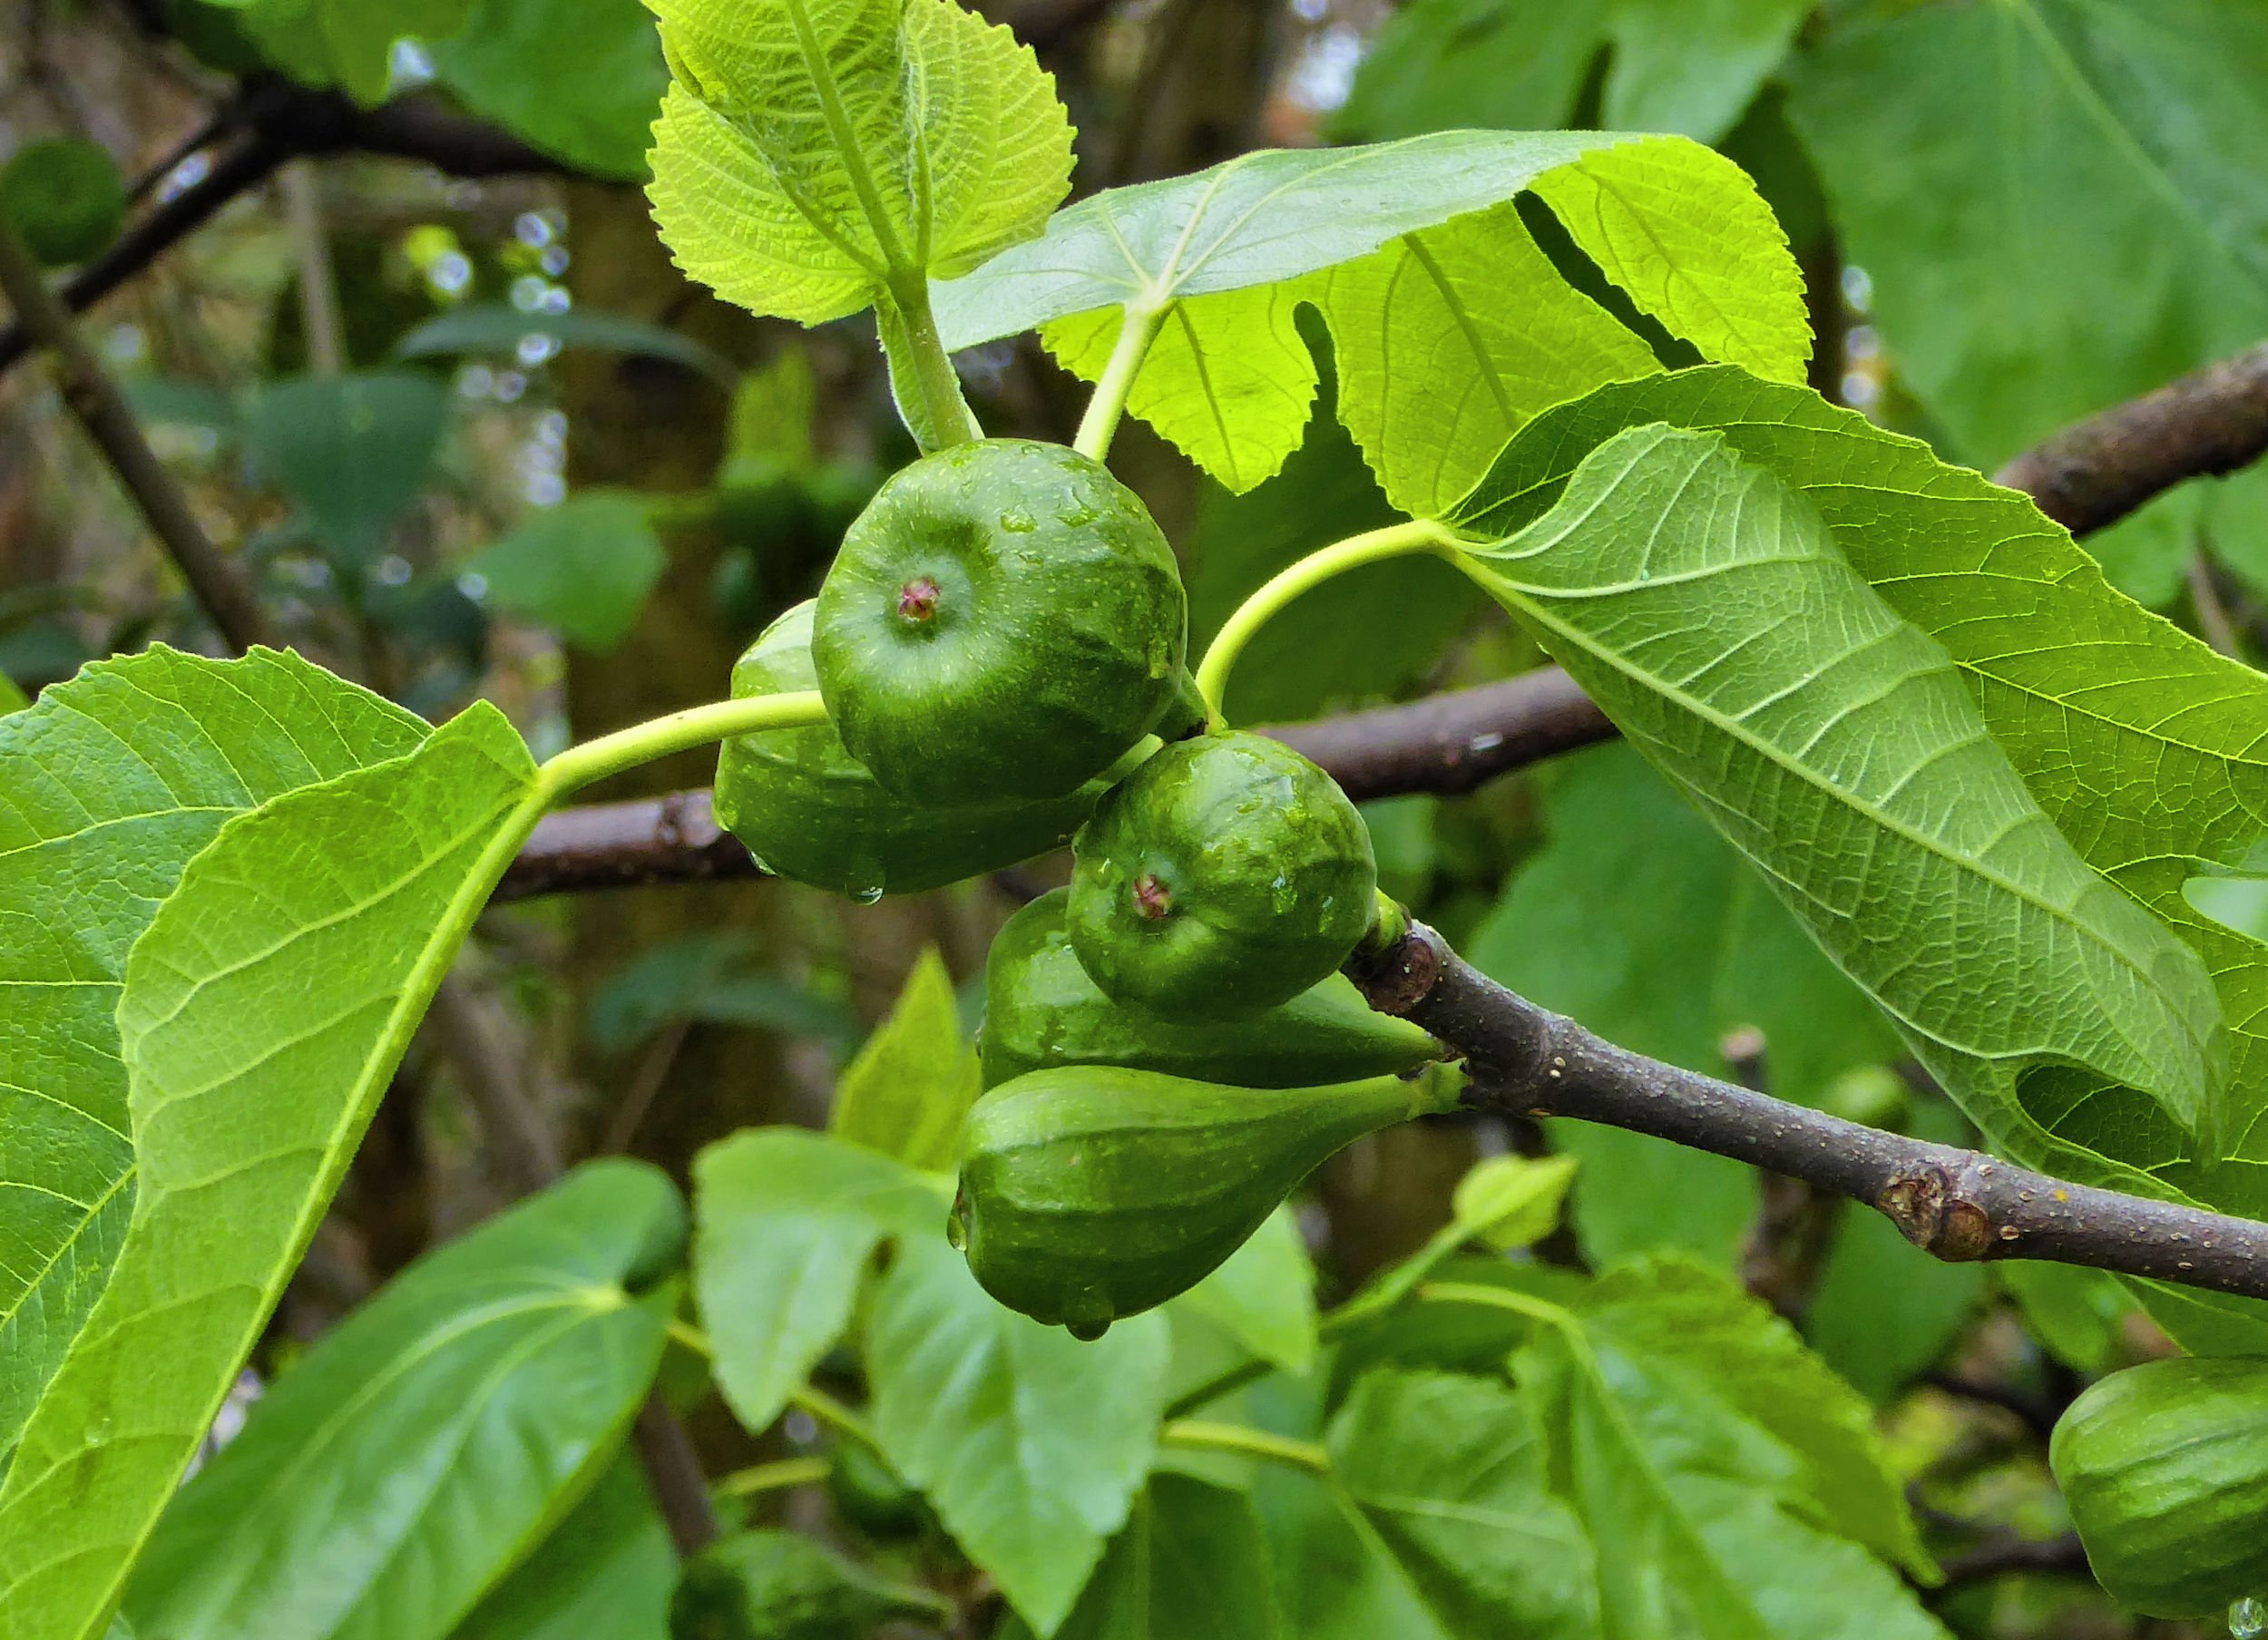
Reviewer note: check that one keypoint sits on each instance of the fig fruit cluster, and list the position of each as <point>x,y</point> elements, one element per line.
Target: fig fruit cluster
<point>1169,1049</point>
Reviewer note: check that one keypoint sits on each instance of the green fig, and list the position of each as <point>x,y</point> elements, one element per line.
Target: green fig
<point>2164,1468</point>
<point>65,197</point>
<point>781,1586</point>
<point>809,811</point>
<point>1092,1193</point>
<point>1224,878</point>
<point>1042,1009</point>
<point>1004,620</point>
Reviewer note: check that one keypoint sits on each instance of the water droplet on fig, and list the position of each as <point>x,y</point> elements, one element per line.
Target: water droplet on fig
<point>957,1223</point>
<point>1086,1329</point>
<point>2248,1618</point>
<point>1017,522</point>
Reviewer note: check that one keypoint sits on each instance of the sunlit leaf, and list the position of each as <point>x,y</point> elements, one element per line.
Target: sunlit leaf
<point>114,780</point>
<point>908,1090</point>
<point>265,1008</point>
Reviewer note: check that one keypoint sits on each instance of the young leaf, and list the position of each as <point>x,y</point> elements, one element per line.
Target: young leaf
<point>2101,707</point>
<point>1703,602</point>
<point>786,1222</point>
<point>265,1008</point>
<point>114,780</point>
<point>443,1427</point>
<point>584,567</point>
<point>1510,1202</point>
<point>1678,226</point>
<point>811,152</point>
<point>912,1083</point>
<point>1264,1297</point>
<point>1190,1565</point>
<point>1029,1444</point>
<point>605,1573</point>
<point>1449,1472</point>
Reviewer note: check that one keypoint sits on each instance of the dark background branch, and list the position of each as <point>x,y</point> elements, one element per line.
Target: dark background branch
<point>1960,1205</point>
<point>2092,474</point>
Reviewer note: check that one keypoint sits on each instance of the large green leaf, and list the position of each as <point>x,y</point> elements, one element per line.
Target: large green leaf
<point>810,151</point>
<point>1700,1492</point>
<point>111,784</point>
<point>1679,229</point>
<point>786,1222</point>
<point>1702,602</point>
<point>1449,1472</point>
<point>1190,1565</point>
<point>265,1008</point>
<point>1682,65</point>
<point>605,1573</point>
<point>1030,1444</point>
<point>421,1449</point>
<point>2060,208</point>
<point>1636,918</point>
<point>578,79</point>
<point>909,1090</point>
<point>2102,707</point>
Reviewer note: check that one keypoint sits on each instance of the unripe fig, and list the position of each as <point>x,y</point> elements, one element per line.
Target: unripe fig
<point>1092,1193</point>
<point>1004,620</point>
<point>811,812</point>
<point>2164,1468</point>
<point>1042,1009</point>
<point>65,197</point>
<point>1224,878</point>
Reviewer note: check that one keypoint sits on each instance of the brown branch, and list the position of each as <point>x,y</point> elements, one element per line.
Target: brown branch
<point>2006,1553</point>
<point>2211,421</point>
<point>1960,1205</point>
<point>1447,744</point>
<point>95,399</point>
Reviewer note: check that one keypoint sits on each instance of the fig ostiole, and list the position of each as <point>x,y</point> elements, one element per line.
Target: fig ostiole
<point>1223,878</point>
<point>1090,1193</point>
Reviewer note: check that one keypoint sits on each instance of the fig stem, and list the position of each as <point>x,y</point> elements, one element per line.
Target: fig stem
<point>928,388</point>
<point>610,755</point>
<point>1138,324</point>
<point>1373,546</point>
<point>784,1475</point>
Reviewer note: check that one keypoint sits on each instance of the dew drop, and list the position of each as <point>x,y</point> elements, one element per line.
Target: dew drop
<point>957,1224</point>
<point>1017,522</point>
<point>1086,1329</point>
<point>2248,1618</point>
<point>866,894</point>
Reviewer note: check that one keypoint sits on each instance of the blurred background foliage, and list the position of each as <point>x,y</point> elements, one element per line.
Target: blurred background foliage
<point>474,436</point>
